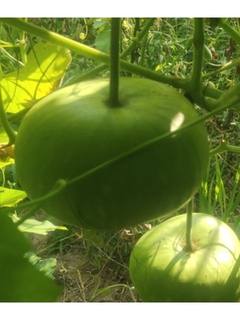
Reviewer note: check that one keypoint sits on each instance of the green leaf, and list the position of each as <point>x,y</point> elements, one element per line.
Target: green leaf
<point>20,281</point>
<point>41,75</point>
<point>10,197</point>
<point>39,227</point>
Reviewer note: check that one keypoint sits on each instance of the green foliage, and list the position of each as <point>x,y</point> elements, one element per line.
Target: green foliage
<point>30,70</point>
<point>20,281</point>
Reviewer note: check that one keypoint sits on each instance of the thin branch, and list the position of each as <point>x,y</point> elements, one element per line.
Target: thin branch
<point>114,62</point>
<point>188,246</point>
<point>225,147</point>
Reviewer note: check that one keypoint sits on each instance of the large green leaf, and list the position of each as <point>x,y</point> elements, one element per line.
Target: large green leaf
<point>20,281</point>
<point>10,197</point>
<point>40,76</point>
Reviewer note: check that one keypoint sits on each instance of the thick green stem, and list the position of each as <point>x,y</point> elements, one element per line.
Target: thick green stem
<point>198,54</point>
<point>189,226</point>
<point>6,125</point>
<point>114,62</point>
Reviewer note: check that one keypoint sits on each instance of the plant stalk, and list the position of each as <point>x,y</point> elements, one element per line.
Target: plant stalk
<point>114,62</point>
<point>225,147</point>
<point>198,54</point>
<point>189,226</point>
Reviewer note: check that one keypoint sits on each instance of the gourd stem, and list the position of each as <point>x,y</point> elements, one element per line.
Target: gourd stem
<point>189,226</point>
<point>114,62</point>
<point>198,54</point>
<point>5,123</point>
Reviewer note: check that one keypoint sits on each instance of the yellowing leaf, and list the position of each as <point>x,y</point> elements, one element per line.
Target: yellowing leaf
<point>10,197</point>
<point>41,75</point>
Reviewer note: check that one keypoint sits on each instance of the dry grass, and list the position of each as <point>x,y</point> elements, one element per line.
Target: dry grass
<point>91,266</point>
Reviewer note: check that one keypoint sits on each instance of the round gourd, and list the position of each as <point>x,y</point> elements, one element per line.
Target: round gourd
<point>163,270</point>
<point>74,129</point>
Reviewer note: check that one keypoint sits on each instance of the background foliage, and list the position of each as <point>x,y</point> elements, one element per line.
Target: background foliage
<point>92,266</point>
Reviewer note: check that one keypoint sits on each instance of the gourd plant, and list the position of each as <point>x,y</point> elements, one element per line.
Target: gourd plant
<point>135,149</point>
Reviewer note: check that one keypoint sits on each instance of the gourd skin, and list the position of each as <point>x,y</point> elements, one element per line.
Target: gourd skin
<point>162,270</point>
<point>74,130</point>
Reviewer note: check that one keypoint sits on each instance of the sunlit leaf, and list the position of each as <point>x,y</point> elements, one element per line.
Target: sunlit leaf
<point>41,75</point>
<point>10,197</point>
<point>39,227</point>
<point>20,280</point>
